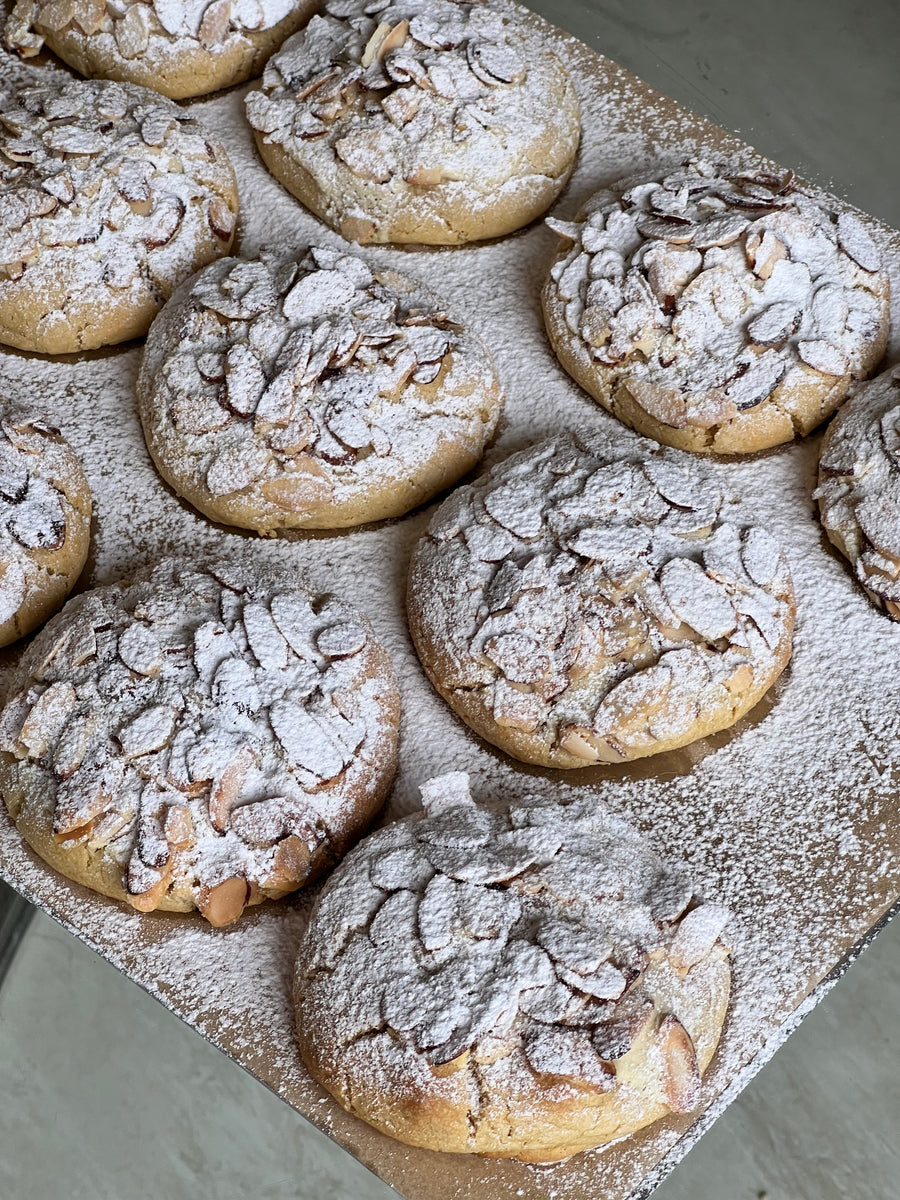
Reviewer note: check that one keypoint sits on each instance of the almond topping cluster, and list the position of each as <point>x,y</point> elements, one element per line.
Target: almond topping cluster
<point>290,364</point>
<point>32,517</point>
<point>708,290</point>
<point>859,486</point>
<point>605,593</point>
<point>110,165</point>
<point>475,933</point>
<point>133,23</point>
<point>419,70</point>
<point>188,724</point>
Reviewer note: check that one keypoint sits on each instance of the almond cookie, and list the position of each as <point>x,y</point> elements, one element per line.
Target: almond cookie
<point>518,980</point>
<point>199,737</point>
<point>311,393</point>
<point>180,48</point>
<point>109,197</point>
<point>433,121</point>
<point>594,599</point>
<point>716,311</point>
<point>859,487</point>
<point>45,520</point>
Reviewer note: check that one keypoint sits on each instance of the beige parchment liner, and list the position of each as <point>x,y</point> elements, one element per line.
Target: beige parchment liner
<point>791,820</point>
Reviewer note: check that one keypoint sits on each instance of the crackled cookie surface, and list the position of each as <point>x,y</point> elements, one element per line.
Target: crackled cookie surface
<point>716,311</point>
<point>518,980</point>
<point>109,196</point>
<point>180,48</point>
<point>199,737</point>
<point>312,392</point>
<point>45,520</point>
<point>598,598</point>
<point>859,487</point>
<point>432,121</point>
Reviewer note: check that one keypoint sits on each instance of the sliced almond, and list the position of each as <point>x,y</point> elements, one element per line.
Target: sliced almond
<point>290,864</point>
<point>153,886</point>
<point>368,153</point>
<point>214,26</point>
<point>392,40</point>
<point>304,487</point>
<point>856,241</point>
<point>224,903</point>
<point>680,1071</point>
<point>697,933</point>
<point>426,177</point>
<point>823,357</point>
<point>57,15</point>
<point>371,49</point>
<point>452,1067</point>
<point>45,722</point>
<point>90,16</point>
<point>179,827</point>
<point>226,789</point>
<point>221,219</point>
<point>165,219</point>
<point>149,731</point>
<point>775,324</point>
<point>132,33</point>
<point>586,745</point>
<point>764,251</point>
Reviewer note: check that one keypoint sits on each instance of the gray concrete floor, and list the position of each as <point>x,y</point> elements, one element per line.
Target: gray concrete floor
<point>107,1096</point>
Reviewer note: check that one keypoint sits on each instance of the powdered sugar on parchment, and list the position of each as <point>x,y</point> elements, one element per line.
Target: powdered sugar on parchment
<point>790,821</point>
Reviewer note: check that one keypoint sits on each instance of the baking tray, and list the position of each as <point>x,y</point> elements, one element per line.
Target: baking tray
<point>790,818</point>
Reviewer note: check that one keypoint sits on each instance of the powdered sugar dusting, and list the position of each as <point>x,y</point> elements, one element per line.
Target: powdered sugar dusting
<point>708,292</point>
<point>859,487</point>
<point>594,598</point>
<point>189,731</point>
<point>109,195</point>
<point>791,822</point>
<point>309,378</point>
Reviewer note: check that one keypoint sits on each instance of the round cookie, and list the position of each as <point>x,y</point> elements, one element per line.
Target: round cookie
<point>199,737</point>
<point>45,520</point>
<point>859,487</point>
<point>180,48</point>
<point>716,311</point>
<point>109,196</point>
<point>597,598</point>
<point>520,980</point>
<point>312,392</point>
<point>431,121</point>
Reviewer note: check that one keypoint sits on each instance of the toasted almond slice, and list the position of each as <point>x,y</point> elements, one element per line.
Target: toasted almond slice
<point>227,788</point>
<point>426,177</point>
<point>586,745</point>
<point>300,489</point>
<point>150,899</point>
<point>393,40</point>
<point>224,903</point>
<point>90,15</point>
<point>214,26</point>
<point>823,357</point>
<point>680,1071</point>
<point>221,219</point>
<point>57,15</point>
<point>179,827</point>
<point>290,864</point>
<point>764,251</point>
<point>46,720</point>
<point>132,33</point>
<point>666,404</point>
<point>855,240</point>
<point>373,44</point>
<point>697,933</point>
